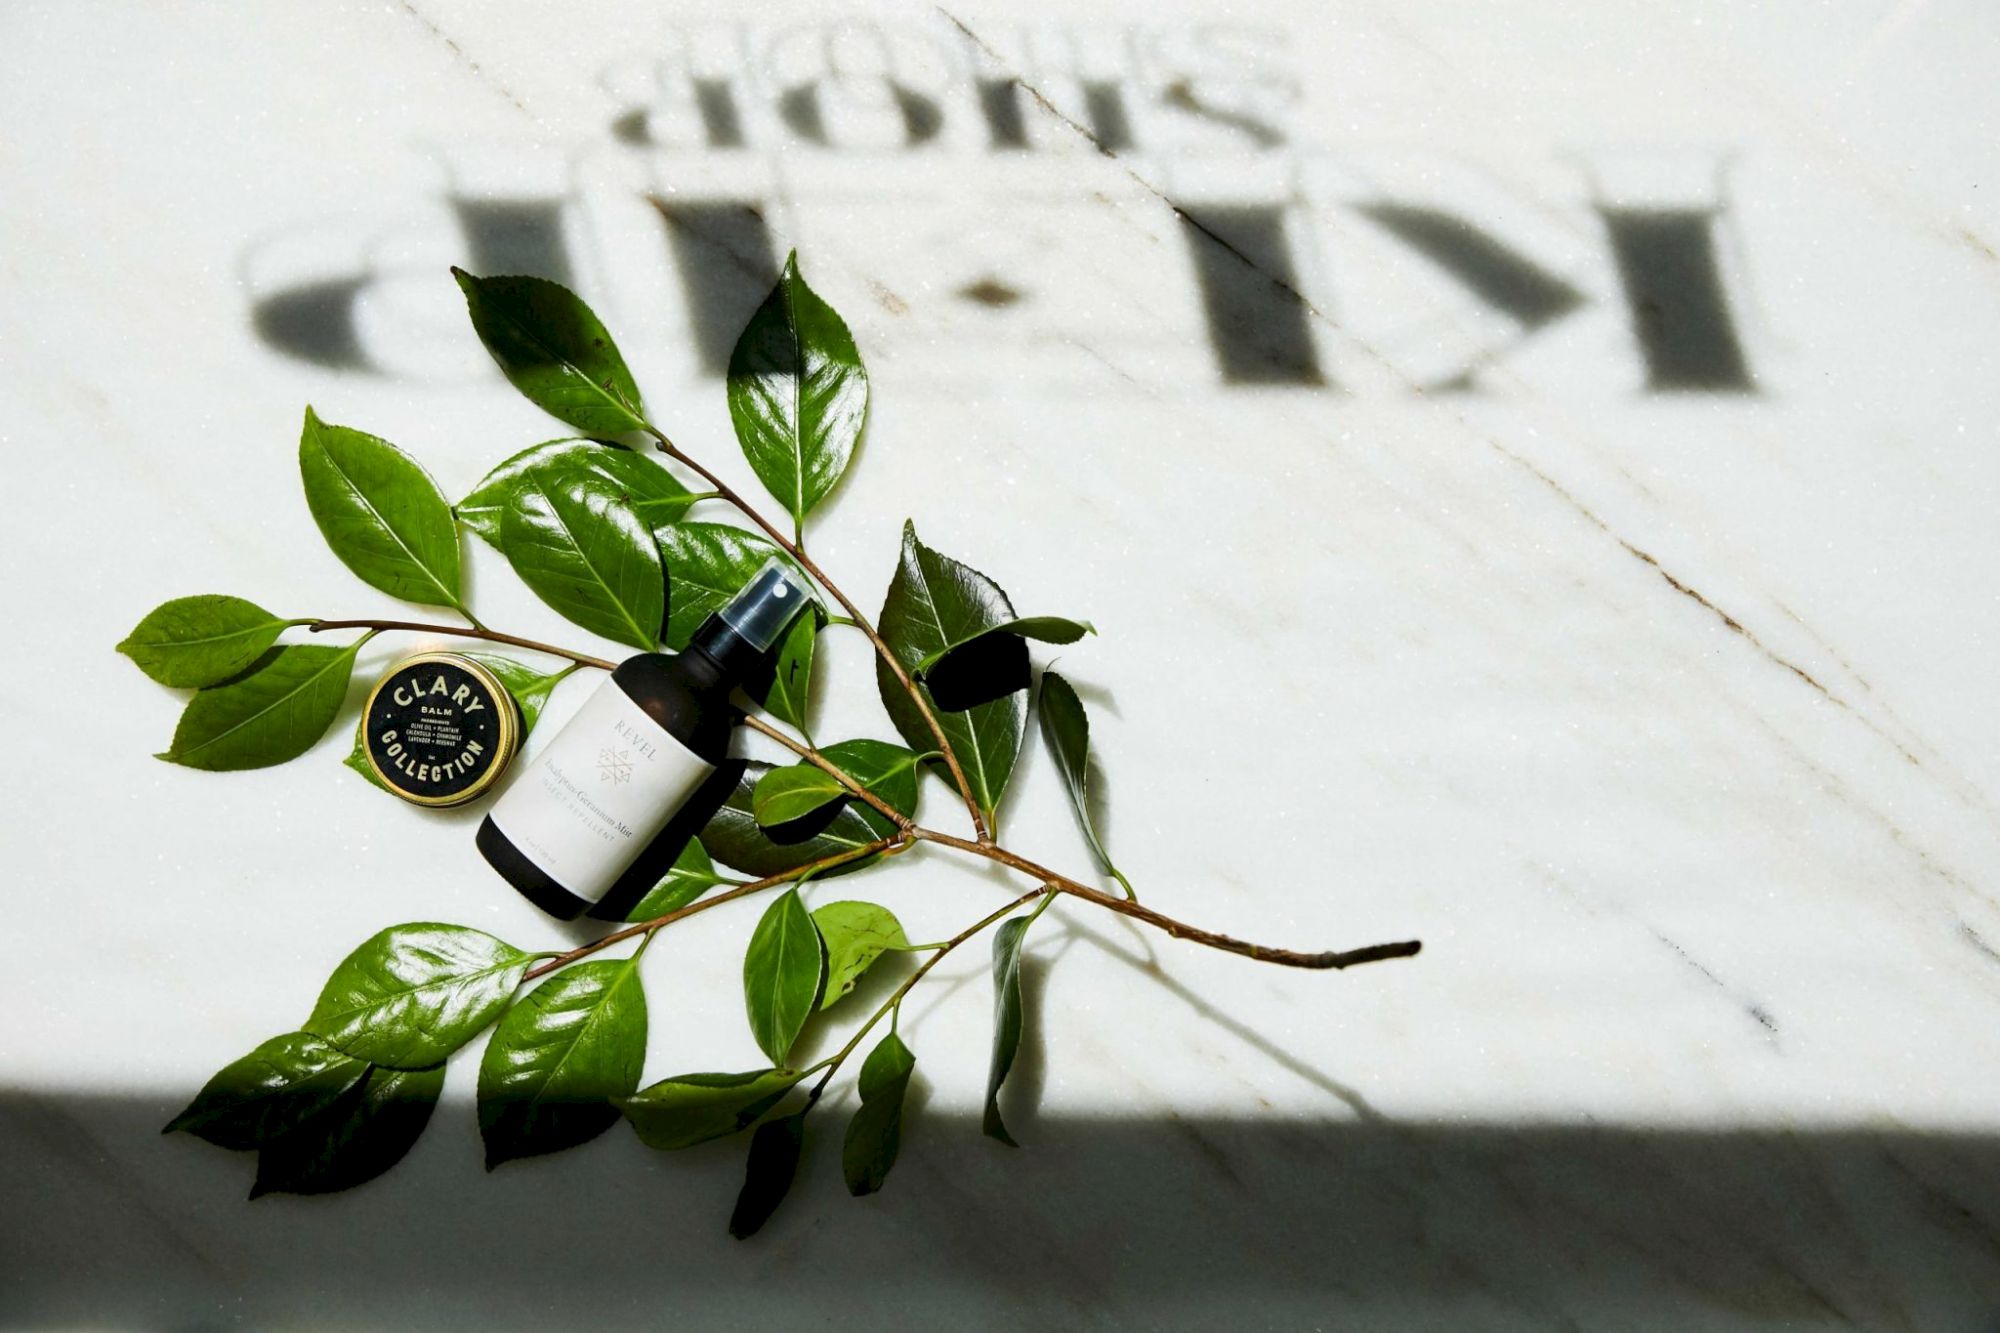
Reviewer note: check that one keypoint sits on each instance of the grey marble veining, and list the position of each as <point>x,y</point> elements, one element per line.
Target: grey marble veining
<point>1533,468</point>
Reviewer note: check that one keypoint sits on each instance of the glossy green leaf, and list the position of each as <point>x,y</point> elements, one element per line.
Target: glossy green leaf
<point>875,1134</point>
<point>1047,629</point>
<point>655,496</point>
<point>889,771</point>
<point>707,564</point>
<point>855,935</point>
<point>797,394</point>
<point>552,348</point>
<point>195,641</point>
<point>269,1091</point>
<point>557,1059</point>
<point>363,1133</point>
<point>933,603</point>
<point>792,792</point>
<point>734,837</point>
<point>274,713</point>
<point>782,972</point>
<point>415,993</point>
<point>790,690</point>
<point>768,1174</point>
<point>530,688</point>
<point>380,512</point>
<point>574,541</point>
<point>687,1109</point>
<point>1066,731</point>
<point>691,875</point>
<point>1006,1020</point>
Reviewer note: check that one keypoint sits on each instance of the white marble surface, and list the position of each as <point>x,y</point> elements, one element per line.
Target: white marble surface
<point>1663,717</point>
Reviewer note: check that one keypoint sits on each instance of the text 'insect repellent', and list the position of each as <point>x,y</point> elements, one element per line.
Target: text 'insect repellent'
<point>572,830</point>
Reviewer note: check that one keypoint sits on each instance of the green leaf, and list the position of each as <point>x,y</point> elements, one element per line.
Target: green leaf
<point>767,1176</point>
<point>782,972</point>
<point>380,512</point>
<point>1066,731</point>
<point>361,1135</point>
<point>195,641</point>
<point>855,934</point>
<point>889,771</point>
<point>707,564</point>
<point>791,682</point>
<point>558,1058</point>
<point>1048,629</point>
<point>1006,1019</point>
<point>555,351</point>
<point>789,793</point>
<point>691,875</point>
<point>268,1091</point>
<point>530,688</point>
<point>734,838</point>
<point>573,540</point>
<point>876,1132</point>
<point>933,603</point>
<point>797,394</point>
<point>274,713</point>
<point>415,993</point>
<point>687,1109</point>
<point>649,488</point>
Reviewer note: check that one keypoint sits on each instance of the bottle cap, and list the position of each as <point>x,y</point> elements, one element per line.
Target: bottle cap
<point>439,729</point>
<point>767,604</point>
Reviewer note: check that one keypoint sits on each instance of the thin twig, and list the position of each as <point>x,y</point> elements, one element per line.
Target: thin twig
<point>463,632</point>
<point>1336,958</point>
<point>702,905</point>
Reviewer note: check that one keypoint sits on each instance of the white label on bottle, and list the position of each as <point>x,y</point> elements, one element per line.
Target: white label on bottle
<point>599,793</point>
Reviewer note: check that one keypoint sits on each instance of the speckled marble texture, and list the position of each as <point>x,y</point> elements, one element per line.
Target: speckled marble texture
<point>1534,468</point>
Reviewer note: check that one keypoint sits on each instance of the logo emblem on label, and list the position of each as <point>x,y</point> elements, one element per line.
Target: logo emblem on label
<point>614,766</point>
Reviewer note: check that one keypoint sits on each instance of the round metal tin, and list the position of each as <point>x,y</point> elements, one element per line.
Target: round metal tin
<point>439,729</point>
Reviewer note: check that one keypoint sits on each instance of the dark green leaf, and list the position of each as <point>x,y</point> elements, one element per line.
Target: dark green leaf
<point>687,1109</point>
<point>558,1058</point>
<point>692,875</point>
<point>734,838</point>
<point>782,972</point>
<point>272,714</point>
<point>856,934</point>
<point>876,1132</point>
<point>767,1177</point>
<point>789,793</point>
<point>797,393</point>
<point>707,564</point>
<point>1066,731</point>
<point>530,688</point>
<point>791,682</point>
<point>380,512</point>
<point>415,993</point>
<point>935,602</point>
<point>362,1134</point>
<point>269,1091</point>
<point>195,641</point>
<point>1048,629</point>
<point>555,351</point>
<point>649,488</point>
<point>573,540</point>
<point>1006,1019</point>
<point>889,771</point>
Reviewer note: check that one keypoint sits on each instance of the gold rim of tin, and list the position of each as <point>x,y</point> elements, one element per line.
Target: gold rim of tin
<point>504,744</point>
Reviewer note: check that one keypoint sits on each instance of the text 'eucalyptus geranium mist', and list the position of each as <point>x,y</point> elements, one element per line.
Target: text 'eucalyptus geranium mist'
<point>604,535</point>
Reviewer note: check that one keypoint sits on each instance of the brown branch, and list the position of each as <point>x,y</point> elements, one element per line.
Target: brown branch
<point>825,765</point>
<point>702,905</point>
<point>463,632</point>
<point>1340,958</point>
<point>861,622</point>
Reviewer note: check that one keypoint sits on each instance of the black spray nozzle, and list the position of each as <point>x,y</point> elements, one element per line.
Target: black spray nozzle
<point>745,631</point>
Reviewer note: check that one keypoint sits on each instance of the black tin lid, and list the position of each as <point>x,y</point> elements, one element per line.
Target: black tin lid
<point>439,729</point>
